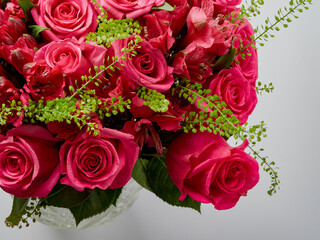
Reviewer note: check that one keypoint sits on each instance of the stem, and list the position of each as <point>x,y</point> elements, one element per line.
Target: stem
<point>291,10</point>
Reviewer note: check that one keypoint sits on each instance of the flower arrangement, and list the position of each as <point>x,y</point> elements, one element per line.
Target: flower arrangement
<point>94,93</point>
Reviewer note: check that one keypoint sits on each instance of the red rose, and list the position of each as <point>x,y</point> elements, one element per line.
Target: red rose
<point>118,9</point>
<point>66,19</point>
<point>29,162</point>
<point>236,91</point>
<point>225,6</point>
<point>104,161</point>
<point>147,68</point>
<point>205,167</point>
<point>249,63</point>
<point>72,57</point>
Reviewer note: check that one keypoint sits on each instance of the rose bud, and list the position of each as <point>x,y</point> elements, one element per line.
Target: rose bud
<point>19,57</point>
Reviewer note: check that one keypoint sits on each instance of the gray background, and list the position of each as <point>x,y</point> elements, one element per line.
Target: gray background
<point>291,62</point>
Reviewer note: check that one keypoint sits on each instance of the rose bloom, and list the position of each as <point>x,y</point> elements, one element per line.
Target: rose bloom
<point>147,68</point>
<point>249,63</point>
<point>66,19</point>
<point>118,9</point>
<point>29,162</point>
<point>203,166</point>
<point>236,91</point>
<point>73,57</point>
<point>225,6</point>
<point>103,161</point>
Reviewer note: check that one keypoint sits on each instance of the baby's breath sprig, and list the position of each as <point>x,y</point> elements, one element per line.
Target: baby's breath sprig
<point>31,210</point>
<point>222,122</point>
<point>260,88</point>
<point>153,99</point>
<point>113,106</point>
<point>111,29</point>
<point>250,8</point>
<point>283,16</point>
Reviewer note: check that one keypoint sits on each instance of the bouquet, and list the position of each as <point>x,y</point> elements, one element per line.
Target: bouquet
<point>96,92</point>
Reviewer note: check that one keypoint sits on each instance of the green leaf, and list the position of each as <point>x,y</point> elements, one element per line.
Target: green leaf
<point>18,209</point>
<point>19,205</point>
<point>36,30</point>
<point>65,196</point>
<point>26,5</point>
<point>162,185</point>
<point>225,61</point>
<point>97,202</point>
<point>139,173</point>
<point>166,6</point>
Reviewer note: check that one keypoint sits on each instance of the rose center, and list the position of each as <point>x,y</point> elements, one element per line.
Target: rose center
<point>65,11</point>
<point>144,63</point>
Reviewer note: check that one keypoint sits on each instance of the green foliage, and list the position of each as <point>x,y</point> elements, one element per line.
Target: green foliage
<point>97,202</point>
<point>110,30</point>
<point>283,17</point>
<point>153,99</point>
<point>166,7</point>
<point>213,115</point>
<point>26,5</point>
<point>260,88</point>
<point>250,8</point>
<point>225,61</point>
<point>36,30</point>
<point>139,173</point>
<point>64,196</point>
<point>22,210</point>
<point>155,178</point>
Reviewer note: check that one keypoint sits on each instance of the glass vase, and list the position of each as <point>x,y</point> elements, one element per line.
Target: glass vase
<point>62,217</point>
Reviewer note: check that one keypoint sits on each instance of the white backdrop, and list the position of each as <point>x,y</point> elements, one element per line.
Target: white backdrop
<point>291,62</point>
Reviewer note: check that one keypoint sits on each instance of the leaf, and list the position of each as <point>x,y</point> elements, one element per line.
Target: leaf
<point>19,205</point>
<point>18,210</point>
<point>225,61</point>
<point>166,7</point>
<point>162,185</point>
<point>139,173</point>
<point>36,30</point>
<point>26,5</point>
<point>65,196</point>
<point>97,202</point>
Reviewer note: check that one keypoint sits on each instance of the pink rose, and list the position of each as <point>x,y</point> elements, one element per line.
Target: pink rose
<point>118,9</point>
<point>66,19</point>
<point>225,6</point>
<point>236,91</point>
<point>147,68</point>
<point>72,57</point>
<point>248,64</point>
<point>104,161</point>
<point>29,162</point>
<point>205,167</point>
